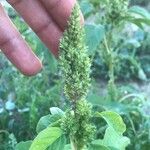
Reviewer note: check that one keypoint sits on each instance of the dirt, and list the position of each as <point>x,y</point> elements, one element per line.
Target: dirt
<point>137,87</point>
<point>143,88</point>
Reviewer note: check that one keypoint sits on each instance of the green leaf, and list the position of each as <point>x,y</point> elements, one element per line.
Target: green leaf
<point>23,145</point>
<point>140,11</point>
<point>67,147</point>
<point>139,16</point>
<point>56,110</point>
<point>114,120</point>
<point>132,43</point>
<point>142,75</point>
<point>46,138</point>
<point>139,22</point>
<point>86,7</point>
<point>96,146</point>
<point>95,98</point>
<point>96,2</point>
<point>113,137</point>
<point>46,121</point>
<point>58,144</point>
<point>94,35</point>
<point>43,123</point>
<point>113,140</point>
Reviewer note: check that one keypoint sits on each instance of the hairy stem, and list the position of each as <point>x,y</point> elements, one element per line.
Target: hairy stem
<point>112,90</point>
<point>74,145</point>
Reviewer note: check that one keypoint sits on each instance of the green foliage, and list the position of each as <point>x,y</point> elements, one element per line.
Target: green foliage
<point>7,141</point>
<point>46,138</point>
<point>52,119</point>
<point>114,11</point>
<point>139,16</point>
<point>76,124</point>
<point>58,144</point>
<point>45,121</point>
<point>23,145</point>
<point>111,119</point>
<point>113,17</point>
<point>133,108</point>
<point>113,138</point>
<point>137,118</point>
<point>94,35</point>
<point>123,56</point>
<point>139,2</point>
<point>114,14</point>
<point>86,7</point>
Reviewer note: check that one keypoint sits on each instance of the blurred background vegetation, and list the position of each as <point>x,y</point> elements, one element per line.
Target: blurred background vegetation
<point>23,100</point>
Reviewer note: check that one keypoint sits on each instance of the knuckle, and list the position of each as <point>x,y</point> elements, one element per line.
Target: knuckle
<point>7,41</point>
<point>14,2</point>
<point>43,27</point>
<point>53,3</point>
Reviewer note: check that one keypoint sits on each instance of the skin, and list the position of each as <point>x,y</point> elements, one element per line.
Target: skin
<point>47,18</point>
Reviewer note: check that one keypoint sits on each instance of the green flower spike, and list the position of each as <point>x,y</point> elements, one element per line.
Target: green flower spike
<point>74,61</point>
<point>75,65</point>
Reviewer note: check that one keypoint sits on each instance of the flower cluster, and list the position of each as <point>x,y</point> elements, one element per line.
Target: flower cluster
<point>77,124</point>
<point>75,65</point>
<point>114,11</point>
<point>74,61</point>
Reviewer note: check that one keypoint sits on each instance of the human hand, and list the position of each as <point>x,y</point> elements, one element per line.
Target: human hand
<point>47,18</point>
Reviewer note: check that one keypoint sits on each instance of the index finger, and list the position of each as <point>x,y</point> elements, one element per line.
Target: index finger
<point>15,48</point>
<point>60,11</point>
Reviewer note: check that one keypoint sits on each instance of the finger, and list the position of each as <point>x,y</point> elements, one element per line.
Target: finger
<point>15,48</point>
<point>37,17</point>
<point>60,10</point>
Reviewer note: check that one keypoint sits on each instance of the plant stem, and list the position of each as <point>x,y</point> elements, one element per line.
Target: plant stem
<point>112,91</point>
<point>74,145</point>
<point>111,60</point>
<point>106,45</point>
